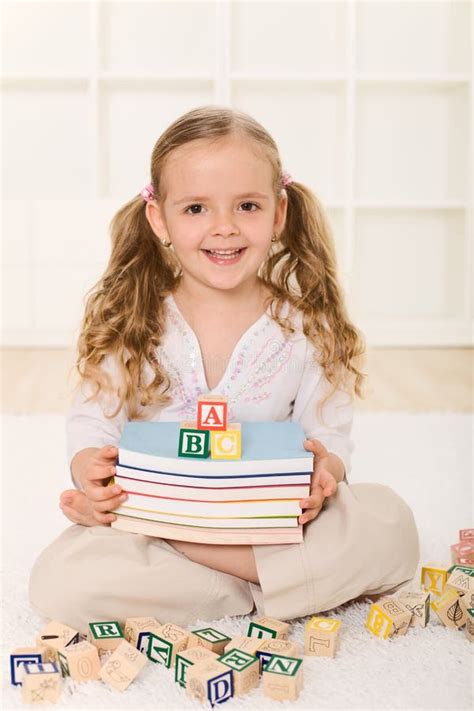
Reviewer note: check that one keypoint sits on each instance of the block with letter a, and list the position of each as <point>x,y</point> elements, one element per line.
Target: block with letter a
<point>212,412</point>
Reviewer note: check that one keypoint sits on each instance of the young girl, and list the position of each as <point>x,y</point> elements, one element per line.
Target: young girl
<point>222,278</point>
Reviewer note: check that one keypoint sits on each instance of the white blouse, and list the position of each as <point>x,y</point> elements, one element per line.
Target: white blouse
<point>270,376</point>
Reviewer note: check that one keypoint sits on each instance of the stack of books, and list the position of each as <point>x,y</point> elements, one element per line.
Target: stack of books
<point>252,500</point>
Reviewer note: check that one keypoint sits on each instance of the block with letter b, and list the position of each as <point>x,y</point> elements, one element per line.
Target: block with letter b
<point>245,669</point>
<point>283,678</point>
<point>227,444</point>
<point>210,681</point>
<point>388,618</point>
<point>193,442</point>
<point>212,412</point>
<point>321,636</point>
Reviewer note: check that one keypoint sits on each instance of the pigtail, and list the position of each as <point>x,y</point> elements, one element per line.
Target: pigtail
<point>303,269</point>
<point>124,313</point>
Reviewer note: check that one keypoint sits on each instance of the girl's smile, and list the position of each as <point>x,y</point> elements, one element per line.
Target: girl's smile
<point>225,257</point>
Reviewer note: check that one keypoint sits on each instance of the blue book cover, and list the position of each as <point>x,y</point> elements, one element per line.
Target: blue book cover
<point>267,447</point>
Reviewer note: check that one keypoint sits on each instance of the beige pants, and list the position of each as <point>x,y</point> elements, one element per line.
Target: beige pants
<point>364,541</point>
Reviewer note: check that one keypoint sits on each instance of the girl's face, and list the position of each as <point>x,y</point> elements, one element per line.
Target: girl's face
<point>218,211</point>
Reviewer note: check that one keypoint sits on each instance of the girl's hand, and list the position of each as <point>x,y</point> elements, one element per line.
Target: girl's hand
<point>323,483</point>
<point>100,468</point>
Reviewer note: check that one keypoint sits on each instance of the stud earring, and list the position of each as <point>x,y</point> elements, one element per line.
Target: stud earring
<point>165,244</point>
<point>274,238</point>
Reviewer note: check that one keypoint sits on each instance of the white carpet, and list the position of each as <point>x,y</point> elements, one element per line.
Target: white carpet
<point>426,458</point>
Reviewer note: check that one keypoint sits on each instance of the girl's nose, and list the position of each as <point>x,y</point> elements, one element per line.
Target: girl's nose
<point>224,225</point>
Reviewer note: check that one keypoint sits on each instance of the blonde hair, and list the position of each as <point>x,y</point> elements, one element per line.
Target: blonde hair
<point>125,312</point>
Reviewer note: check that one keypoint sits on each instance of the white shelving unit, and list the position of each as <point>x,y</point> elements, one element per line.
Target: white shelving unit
<point>371,103</point>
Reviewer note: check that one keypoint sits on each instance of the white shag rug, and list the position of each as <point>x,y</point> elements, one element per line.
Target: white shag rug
<point>427,458</point>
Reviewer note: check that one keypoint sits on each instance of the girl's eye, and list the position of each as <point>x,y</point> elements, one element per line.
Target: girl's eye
<point>199,206</point>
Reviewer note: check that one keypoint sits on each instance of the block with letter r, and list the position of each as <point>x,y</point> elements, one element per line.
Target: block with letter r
<point>245,670</point>
<point>106,636</point>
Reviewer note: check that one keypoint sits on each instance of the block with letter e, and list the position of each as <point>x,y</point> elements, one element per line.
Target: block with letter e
<point>193,442</point>
<point>245,670</point>
<point>212,412</point>
<point>210,681</point>
<point>210,638</point>
<point>283,678</point>
<point>187,658</point>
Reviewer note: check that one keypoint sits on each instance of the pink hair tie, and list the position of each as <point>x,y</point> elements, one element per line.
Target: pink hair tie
<point>148,192</point>
<point>285,179</point>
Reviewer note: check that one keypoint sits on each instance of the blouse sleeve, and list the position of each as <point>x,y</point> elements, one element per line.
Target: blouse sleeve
<point>86,422</point>
<point>333,425</point>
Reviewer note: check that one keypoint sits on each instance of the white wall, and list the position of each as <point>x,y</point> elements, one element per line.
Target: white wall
<point>370,103</point>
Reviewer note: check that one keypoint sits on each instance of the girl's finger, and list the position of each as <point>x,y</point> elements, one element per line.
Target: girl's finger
<point>315,446</point>
<point>101,493</point>
<point>104,519</point>
<point>78,517</point>
<point>109,504</point>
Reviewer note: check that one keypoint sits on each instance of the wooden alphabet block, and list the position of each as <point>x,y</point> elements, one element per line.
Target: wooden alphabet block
<point>166,642</point>
<point>137,631</point>
<point>466,534</point>
<point>193,443</point>
<point>469,631</point>
<point>268,627</point>
<point>449,609</point>
<point>433,580</point>
<point>21,656</point>
<point>281,647</point>
<point>461,579</point>
<point>212,412</point>
<point>245,644</point>
<point>245,670</point>
<point>106,636</point>
<point>321,636</point>
<point>121,668</point>
<point>283,678</point>
<point>211,681</point>
<point>56,636</point>
<point>463,551</point>
<point>40,683</point>
<point>418,603</point>
<point>80,661</point>
<point>209,638</point>
<point>388,618</point>
<point>227,444</point>
<point>187,658</point>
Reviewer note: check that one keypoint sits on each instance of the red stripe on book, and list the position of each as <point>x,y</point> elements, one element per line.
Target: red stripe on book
<point>186,486</point>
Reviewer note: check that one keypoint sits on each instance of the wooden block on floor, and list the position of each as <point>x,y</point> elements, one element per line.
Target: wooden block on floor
<point>21,656</point>
<point>166,642</point>
<point>227,444</point>
<point>283,678</point>
<point>80,661</point>
<point>106,636</point>
<point>320,639</point>
<point>194,443</point>
<point>123,666</point>
<point>463,551</point>
<point>433,579</point>
<point>281,647</point>
<point>187,658</point>
<point>40,683</point>
<point>210,681</point>
<point>449,609</point>
<point>267,628</point>
<point>388,618</point>
<point>466,534</point>
<point>418,603</point>
<point>137,631</point>
<point>56,636</point>
<point>212,412</point>
<point>469,631</point>
<point>461,579</point>
<point>245,670</point>
<point>246,644</point>
<point>209,638</point>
